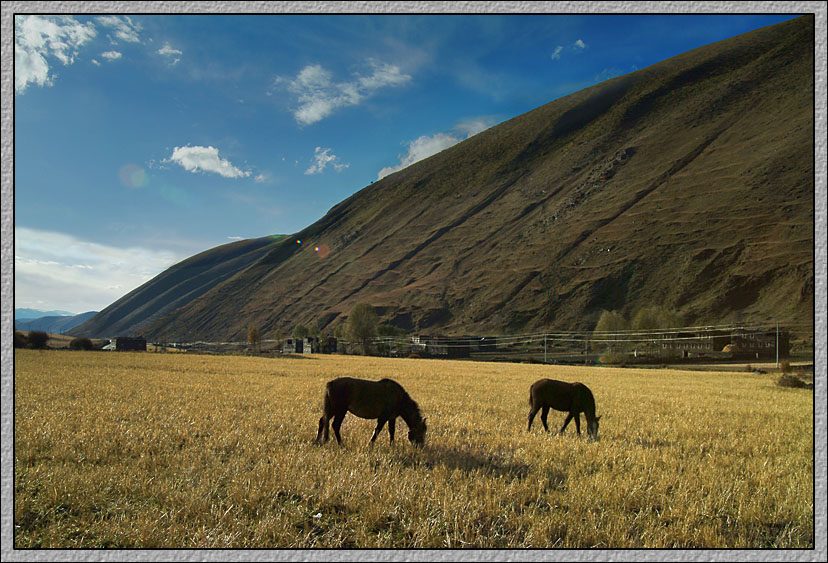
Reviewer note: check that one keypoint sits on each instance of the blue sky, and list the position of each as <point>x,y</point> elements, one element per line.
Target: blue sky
<point>141,140</point>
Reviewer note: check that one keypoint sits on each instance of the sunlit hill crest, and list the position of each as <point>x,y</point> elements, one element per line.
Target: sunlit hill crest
<point>688,184</point>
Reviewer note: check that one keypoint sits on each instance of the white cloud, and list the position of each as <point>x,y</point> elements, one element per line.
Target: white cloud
<point>39,37</point>
<point>607,73</point>
<point>59,271</point>
<point>426,146</point>
<point>112,55</point>
<point>474,126</point>
<point>123,28</point>
<point>168,51</point>
<point>195,159</point>
<point>319,96</point>
<point>556,54</point>
<point>577,46</point>
<point>323,157</point>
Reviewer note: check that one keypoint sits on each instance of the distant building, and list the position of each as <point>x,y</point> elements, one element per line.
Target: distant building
<point>740,343</point>
<point>328,345</point>
<point>127,343</point>
<point>308,345</point>
<point>441,346</point>
<point>293,346</point>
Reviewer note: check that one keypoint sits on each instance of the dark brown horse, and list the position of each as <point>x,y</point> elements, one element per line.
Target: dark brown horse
<point>573,398</point>
<point>383,400</point>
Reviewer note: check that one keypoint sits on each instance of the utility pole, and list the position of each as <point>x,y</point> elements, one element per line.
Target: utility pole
<point>777,345</point>
<point>544,347</point>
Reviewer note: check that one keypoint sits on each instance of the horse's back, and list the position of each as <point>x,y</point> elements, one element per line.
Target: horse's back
<point>560,395</point>
<point>365,398</point>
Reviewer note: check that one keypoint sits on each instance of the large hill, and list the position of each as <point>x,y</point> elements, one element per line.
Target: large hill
<point>688,184</point>
<point>174,288</point>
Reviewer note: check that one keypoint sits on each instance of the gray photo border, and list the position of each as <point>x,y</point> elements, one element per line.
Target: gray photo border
<point>6,535</point>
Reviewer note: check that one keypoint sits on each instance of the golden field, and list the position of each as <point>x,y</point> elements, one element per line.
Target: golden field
<point>141,450</point>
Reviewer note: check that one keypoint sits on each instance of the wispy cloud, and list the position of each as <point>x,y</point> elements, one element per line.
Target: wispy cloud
<point>607,73</point>
<point>37,38</point>
<point>173,55</point>
<point>575,47</point>
<point>426,146</point>
<point>323,157</point>
<point>206,159</point>
<point>59,271</point>
<point>112,55</point>
<point>123,28</point>
<point>319,95</point>
<point>556,54</point>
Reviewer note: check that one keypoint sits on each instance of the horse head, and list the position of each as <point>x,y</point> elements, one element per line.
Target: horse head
<point>592,427</point>
<point>416,434</point>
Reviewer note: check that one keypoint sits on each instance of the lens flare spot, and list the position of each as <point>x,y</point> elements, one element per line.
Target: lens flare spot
<point>298,241</point>
<point>322,250</point>
<point>133,176</point>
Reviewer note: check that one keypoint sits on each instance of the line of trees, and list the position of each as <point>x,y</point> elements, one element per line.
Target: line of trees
<point>39,340</point>
<point>648,318</point>
<point>360,327</point>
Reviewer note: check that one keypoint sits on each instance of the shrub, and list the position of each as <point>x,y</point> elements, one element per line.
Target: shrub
<point>614,359</point>
<point>301,331</point>
<point>793,381</point>
<point>611,321</point>
<point>38,339</point>
<point>655,317</point>
<point>20,340</point>
<point>254,338</point>
<point>81,344</point>
<point>362,325</point>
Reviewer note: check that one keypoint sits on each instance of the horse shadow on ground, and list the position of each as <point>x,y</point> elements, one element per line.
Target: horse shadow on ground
<point>466,460</point>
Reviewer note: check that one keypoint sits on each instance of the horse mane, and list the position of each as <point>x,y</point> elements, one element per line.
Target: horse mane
<point>411,410</point>
<point>589,408</point>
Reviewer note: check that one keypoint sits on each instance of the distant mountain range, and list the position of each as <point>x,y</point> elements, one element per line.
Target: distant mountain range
<point>36,314</point>
<point>53,324</point>
<point>688,184</point>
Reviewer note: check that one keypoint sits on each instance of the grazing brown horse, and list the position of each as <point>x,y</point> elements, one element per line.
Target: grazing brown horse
<point>383,400</point>
<point>574,398</point>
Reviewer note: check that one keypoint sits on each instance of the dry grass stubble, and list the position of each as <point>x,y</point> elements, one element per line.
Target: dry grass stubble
<point>153,450</point>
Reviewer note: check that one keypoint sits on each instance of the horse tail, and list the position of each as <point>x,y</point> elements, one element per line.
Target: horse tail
<point>327,402</point>
<point>327,411</point>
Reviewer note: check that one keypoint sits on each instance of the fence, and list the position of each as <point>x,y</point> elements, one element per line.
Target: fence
<point>768,341</point>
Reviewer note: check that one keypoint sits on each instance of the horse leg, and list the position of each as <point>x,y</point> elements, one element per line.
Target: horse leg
<point>532,412</point>
<point>578,423</point>
<point>337,422</point>
<point>392,426</point>
<point>568,418</point>
<point>380,423</point>
<point>322,435</point>
<point>544,414</point>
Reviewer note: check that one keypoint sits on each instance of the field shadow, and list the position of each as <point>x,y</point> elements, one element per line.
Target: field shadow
<point>466,460</point>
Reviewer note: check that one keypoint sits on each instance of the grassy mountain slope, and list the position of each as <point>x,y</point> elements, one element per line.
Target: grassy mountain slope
<point>688,184</point>
<point>173,288</point>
